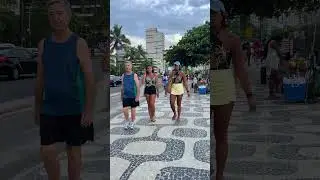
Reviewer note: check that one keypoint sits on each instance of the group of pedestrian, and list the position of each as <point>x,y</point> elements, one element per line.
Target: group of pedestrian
<point>174,84</point>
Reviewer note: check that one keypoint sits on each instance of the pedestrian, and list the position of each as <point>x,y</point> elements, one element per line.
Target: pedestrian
<point>195,84</point>
<point>130,94</point>
<point>177,82</point>
<point>273,62</point>
<point>64,93</point>
<point>165,80</point>
<point>151,91</point>
<point>223,88</point>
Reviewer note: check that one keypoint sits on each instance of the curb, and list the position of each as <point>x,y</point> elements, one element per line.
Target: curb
<point>15,105</point>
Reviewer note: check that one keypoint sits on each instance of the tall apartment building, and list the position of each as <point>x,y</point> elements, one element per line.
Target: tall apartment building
<point>155,47</point>
<point>11,5</point>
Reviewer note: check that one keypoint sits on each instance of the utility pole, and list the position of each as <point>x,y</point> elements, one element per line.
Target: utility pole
<point>21,22</point>
<point>29,22</point>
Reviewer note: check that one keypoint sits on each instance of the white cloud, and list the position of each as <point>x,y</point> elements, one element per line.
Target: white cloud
<point>170,39</point>
<point>135,41</point>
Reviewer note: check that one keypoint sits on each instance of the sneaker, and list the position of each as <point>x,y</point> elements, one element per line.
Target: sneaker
<point>131,125</point>
<point>126,125</point>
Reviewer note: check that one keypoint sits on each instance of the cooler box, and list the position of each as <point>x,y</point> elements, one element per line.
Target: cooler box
<point>294,90</point>
<point>202,90</point>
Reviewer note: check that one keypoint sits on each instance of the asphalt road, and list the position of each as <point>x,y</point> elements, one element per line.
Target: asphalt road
<point>19,139</point>
<point>12,90</point>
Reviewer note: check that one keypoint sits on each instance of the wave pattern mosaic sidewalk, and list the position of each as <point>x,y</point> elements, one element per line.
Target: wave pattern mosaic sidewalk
<point>165,149</point>
<point>278,142</point>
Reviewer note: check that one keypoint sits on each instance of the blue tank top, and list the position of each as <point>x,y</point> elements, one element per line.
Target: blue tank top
<point>129,86</point>
<point>64,91</point>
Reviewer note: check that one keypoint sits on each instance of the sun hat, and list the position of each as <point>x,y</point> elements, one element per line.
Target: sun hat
<point>177,63</point>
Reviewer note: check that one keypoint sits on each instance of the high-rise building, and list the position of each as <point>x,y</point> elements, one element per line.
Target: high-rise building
<point>155,47</point>
<point>11,5</point>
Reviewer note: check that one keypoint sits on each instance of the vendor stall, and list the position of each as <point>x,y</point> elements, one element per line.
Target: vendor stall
<point>301,82</point>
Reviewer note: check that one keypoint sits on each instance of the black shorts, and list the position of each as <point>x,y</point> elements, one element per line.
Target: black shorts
<point>150,90</point>
<point>130,102</point>
<point>66,129</point>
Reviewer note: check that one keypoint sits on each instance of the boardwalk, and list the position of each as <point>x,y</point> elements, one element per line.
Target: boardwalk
<point>165,149</point>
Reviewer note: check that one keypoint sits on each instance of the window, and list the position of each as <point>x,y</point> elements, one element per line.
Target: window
<point>21,53</point>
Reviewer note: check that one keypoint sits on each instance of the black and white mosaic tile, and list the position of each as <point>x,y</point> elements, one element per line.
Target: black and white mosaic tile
<point>181,173</point>
<point>262,145</point>
<point>295,152</point>
<point>260,168</point>
<point>166,152</point>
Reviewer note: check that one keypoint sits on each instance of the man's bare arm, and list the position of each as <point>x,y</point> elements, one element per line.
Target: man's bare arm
<point>39,80</point>
<point>122,90</point>
<point>86,66</point>
<point>136,79</point>
<point>239,64</point>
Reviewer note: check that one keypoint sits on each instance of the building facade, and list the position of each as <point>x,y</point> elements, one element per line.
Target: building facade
<point>155,47</point>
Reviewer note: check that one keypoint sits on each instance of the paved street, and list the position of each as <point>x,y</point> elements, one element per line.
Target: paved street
<point>12,90</point>
<point>19,139</point>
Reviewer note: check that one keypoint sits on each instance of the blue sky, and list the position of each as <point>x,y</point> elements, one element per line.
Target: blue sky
<point>172,17</point>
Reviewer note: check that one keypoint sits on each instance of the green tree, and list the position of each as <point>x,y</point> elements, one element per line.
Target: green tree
<point>39,18</point>
<point>9,26</point>
<point>117,39</point>
<point>265,8</point>
<point>146,62</point>
<point>193,49</point>
<point>138,56</point>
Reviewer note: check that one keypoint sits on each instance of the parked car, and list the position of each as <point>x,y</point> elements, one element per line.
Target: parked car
<point>34,51</point>
<point>115,80</point>
<point>6,46</point>
<point>17,61</point>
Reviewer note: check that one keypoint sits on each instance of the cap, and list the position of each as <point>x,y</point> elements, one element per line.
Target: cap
<point>176,63</point>
<point>217,6</point>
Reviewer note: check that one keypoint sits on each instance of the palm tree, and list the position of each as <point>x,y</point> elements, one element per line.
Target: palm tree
<point>142,53</point>
<point>131,53</point>
<point>117,39</point>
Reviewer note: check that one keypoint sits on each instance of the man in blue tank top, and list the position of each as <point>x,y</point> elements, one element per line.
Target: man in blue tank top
<point>130,93</point>
<point>64,92</point>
